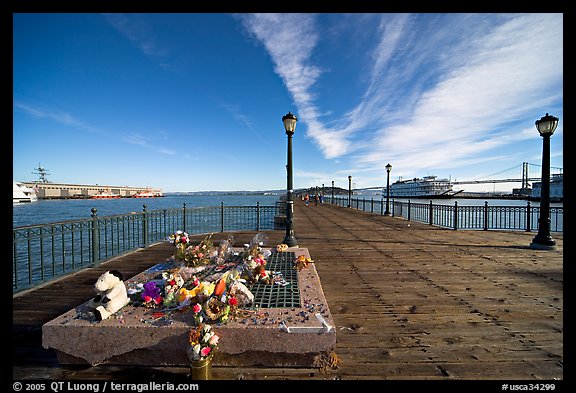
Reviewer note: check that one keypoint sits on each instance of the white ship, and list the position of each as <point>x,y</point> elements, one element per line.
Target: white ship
<point>21,193</point>
<point>427,187</point>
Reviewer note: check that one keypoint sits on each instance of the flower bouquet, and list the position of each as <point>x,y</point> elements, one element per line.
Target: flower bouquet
<point>181,240</point>
<point>203,342</point>
<point>199,254</point>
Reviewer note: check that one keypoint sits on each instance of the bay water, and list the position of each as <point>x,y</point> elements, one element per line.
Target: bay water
<point>47,211</point>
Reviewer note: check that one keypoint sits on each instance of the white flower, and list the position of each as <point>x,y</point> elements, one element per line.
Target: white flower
<point>207,337</point>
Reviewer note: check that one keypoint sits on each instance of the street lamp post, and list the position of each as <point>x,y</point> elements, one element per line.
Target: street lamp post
<point>349,191</point>
<point>289,121</point>
<point>388,169</point>
<point>543,241</point>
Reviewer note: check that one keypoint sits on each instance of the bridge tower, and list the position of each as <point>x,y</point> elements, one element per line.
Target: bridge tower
<point>525,175</point>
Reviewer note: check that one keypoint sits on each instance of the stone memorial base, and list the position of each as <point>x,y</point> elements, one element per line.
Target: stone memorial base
<point>271,337</point>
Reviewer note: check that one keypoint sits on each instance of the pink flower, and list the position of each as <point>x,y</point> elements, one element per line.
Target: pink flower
<point>205,351</point>
<point>214,340</point>
<point>197,308</point>
<point>200,255</point>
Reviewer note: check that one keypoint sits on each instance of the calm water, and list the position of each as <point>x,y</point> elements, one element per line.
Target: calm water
<point>48,211</point>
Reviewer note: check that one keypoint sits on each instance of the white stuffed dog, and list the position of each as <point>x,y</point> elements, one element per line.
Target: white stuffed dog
<point>111,295</point>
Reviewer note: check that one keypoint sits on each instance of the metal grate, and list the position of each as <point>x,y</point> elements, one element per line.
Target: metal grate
<point>275,295</point>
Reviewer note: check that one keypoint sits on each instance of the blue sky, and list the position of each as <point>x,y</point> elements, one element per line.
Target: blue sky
<point>193,102</point>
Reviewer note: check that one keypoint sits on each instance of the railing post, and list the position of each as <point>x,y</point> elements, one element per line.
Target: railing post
<point>381,207</point>
<point>430,214</point>
<point>221,216</point>
<point>95,237</point>
<point>408,209</point>
<point>371,205</point>
<point>184,217</point>
<point>144,226</point>
<point>485,215</point>
<point>455,215</point>
<point>528,223</point>
<point>257,216</point>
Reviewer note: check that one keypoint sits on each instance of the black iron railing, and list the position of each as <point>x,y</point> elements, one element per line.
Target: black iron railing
<point>41,253</point>
<point>483,217</point>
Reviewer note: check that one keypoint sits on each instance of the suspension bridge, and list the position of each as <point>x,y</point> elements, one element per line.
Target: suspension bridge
<point>516,174</point>
<point>523,173</point>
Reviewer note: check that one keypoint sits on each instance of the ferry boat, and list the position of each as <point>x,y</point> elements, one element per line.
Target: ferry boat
<point>556,189</point>
<point>21,193</point>
<point>105,194</point>
<point>426,187</point>
<point>147,194</point>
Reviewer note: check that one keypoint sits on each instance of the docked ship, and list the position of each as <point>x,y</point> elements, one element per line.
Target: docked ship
<point>105,194</point>
<point>426,187</point>
<point>147,194</point>
<point>22,193</point>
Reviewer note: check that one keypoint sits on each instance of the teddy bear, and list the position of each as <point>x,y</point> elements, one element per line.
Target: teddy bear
<point>111,295</point>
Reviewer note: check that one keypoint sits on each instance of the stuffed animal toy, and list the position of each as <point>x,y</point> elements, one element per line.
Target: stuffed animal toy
<point>111,295</point>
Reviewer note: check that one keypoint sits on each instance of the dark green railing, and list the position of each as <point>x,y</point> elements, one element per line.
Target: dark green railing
<point>483,217</point>
<point>41,253</point>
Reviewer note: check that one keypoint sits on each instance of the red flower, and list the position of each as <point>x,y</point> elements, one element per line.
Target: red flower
<point>205,351</point>
<point>233,301</point>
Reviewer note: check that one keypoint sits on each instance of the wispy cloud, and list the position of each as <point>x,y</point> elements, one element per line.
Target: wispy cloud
<point>57,116</point>
<point>290,40</point>
<point>140,140</point>
<point>137,30</point>
<point>69,120</point>
<point>240,117</point>
<point>486,83</point>
<point>430,93</point>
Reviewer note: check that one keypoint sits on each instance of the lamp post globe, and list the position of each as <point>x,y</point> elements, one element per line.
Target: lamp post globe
<point>388,169</point>
<point>289,121</point>
<point>543,241</point>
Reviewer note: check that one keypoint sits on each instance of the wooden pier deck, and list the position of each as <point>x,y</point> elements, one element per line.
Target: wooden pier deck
<point>410,302</point>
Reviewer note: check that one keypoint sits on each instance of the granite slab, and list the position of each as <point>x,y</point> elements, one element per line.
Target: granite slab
<point>136,335</point>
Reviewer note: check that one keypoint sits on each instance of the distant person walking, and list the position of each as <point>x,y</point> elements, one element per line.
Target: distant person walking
<point>316,198</point>
<point>306,199</point>
<point>321,197</point>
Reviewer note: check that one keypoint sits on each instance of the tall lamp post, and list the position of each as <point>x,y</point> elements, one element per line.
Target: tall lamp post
<point>388,169</point>
<point>543,241</point>
<point>349,191</point>
<point>332,200</point>
<point>289,121</point>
